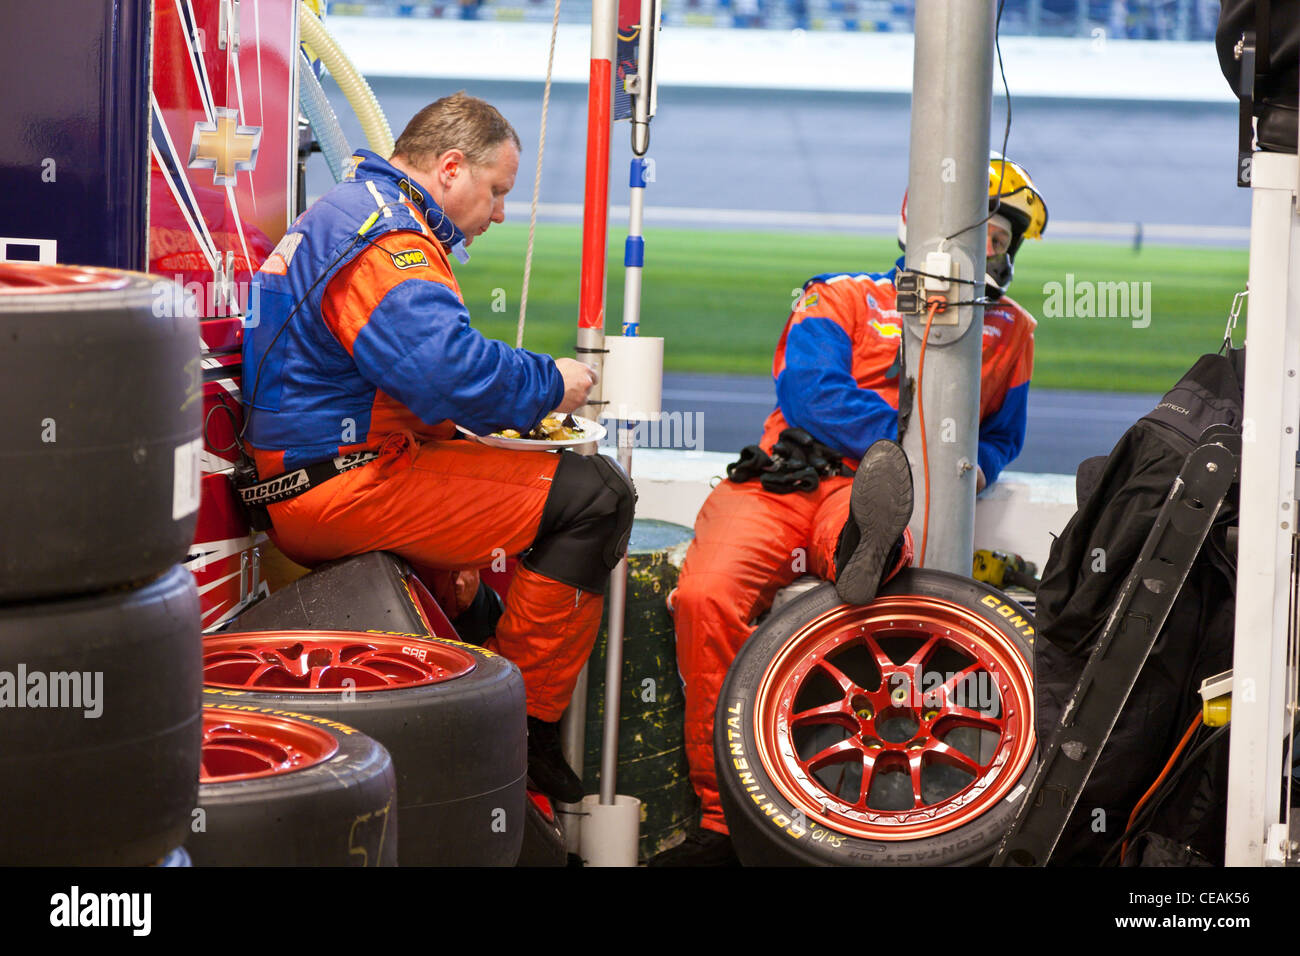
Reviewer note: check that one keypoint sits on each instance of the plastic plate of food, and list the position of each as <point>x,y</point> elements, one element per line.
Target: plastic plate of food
<point>555,431</point>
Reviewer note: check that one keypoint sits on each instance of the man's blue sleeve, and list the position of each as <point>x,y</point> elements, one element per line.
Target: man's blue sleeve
<point>1002,434</point>
<point>817,392</point>
<point>419,347</point>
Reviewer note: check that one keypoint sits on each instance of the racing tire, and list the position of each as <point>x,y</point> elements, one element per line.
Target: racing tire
<point>112,783</point>
<point>458,742</point>
<point>101,418</point>
<point>285,789</point>
<point>896,734</point>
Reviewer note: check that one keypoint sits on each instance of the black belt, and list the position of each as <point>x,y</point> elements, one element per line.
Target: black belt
<point>290,484</point>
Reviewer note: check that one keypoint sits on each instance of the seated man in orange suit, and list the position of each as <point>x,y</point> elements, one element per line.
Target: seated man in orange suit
<point>837,406</point>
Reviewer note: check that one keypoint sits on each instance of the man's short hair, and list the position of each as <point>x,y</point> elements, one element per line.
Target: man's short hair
<point>459,121</point>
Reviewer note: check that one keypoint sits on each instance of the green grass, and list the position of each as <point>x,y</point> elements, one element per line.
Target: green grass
<point>720,299</point>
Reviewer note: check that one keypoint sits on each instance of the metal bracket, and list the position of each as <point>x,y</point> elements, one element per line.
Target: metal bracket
<point>1139,613</point>
<point>228,26</point>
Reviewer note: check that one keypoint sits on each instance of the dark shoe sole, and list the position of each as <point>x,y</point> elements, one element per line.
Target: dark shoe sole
<point>715,853</point>
<point>881,506</point>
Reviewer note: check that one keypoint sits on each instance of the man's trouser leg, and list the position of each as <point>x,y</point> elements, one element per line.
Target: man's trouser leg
<point>748,544</point>
<point>459,504</point>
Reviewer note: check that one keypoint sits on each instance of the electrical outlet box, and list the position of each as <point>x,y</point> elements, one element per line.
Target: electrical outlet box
<point>937,264</point>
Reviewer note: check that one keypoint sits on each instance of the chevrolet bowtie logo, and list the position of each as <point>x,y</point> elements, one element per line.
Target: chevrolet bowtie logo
<point>224,147</point>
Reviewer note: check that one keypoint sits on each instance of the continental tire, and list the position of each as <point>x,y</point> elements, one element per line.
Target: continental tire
<point>100,421</point>
<point>451,714</point>
<point>896,734</point>
<point>112,781</point>
<point>284,789</point>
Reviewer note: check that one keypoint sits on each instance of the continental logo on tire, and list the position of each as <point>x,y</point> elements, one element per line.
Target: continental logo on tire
<point>1011,614</point>
<point>440,640</point>
<point>276,712</point>
<point>740,763</point>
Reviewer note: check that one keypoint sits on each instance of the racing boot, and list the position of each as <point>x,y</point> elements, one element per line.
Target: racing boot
<point>701,847</point>
<point>547,768</point>
<point>880,506</point>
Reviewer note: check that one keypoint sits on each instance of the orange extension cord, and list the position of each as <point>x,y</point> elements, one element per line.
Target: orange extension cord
<point>1187,735</point>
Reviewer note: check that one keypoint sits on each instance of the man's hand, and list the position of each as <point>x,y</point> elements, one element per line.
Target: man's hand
<point>578,381</point>
<point>980,483</point>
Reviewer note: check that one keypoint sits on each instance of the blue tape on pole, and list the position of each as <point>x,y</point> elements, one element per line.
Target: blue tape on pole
<point>636,175</point>
<point>634,251</point>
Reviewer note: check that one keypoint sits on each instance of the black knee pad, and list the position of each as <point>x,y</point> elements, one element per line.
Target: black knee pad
<point>585,524</point>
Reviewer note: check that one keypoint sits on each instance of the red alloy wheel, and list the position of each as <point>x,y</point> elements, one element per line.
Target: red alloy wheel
<point>30,278</point>
<point>329,661</point>
<point>245,746</point>
<point>900,720</point>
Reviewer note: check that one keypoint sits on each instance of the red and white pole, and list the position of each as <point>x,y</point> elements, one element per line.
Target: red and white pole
<point>595,215</point>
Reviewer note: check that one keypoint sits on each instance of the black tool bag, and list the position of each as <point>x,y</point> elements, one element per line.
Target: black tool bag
<point>1119,497</point>
<point>798,462</point>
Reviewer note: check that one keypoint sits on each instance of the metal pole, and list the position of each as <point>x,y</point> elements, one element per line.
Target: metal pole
<point>1267,517</point>
<point>948,192</point>
<point>591,295</point>
<point>633,260</point>
<point>634,248</point>
<point>617,607</point>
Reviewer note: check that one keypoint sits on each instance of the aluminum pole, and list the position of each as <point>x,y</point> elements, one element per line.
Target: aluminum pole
<point>617,606</point>
<point>591,293</point>
<point>1267,517</point>
<point>633,261</point>
<point>947,192</point>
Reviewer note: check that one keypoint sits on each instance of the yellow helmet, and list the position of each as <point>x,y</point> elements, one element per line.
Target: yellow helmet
<point>1016,197</point>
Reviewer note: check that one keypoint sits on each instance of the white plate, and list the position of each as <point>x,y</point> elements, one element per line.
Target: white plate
<point>590,431</point>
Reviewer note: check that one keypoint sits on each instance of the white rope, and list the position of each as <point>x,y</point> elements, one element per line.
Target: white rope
<point>537,181</point>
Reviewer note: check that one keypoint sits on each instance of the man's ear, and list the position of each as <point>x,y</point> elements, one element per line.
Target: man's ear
<point>450,165</point>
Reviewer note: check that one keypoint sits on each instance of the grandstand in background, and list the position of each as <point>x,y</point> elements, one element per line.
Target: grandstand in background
<point>1128,19</point>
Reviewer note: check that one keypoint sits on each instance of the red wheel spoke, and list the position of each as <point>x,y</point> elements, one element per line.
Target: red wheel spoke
<point>836,712</point>
<point>845,750</point>
<point>868,773</point>
<point>948,687</point>
<point>837,675</point>
<point>966,717</point>
<point>917,660</point>
<point>945,753</point>
<point>914,766</point>
<point>883,660</point>
<point>259,673</point>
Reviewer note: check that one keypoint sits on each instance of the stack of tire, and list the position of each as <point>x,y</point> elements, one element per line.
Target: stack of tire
<point>451,714</point>
<point>281,788</point>
<point>99,622</point>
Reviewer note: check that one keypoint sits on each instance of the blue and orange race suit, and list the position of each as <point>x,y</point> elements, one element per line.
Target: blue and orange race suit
<point>836,378</point>
<point>359,339</point>
<point>835,374</point>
